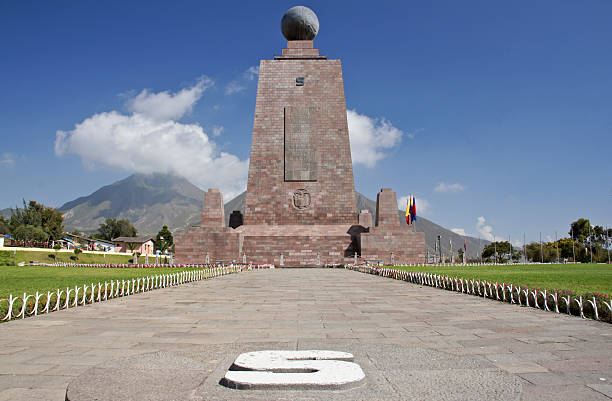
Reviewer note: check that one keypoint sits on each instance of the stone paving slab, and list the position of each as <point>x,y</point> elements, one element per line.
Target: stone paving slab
<point>412,342</point>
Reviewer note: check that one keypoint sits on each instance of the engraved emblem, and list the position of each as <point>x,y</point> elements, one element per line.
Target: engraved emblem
<point>301,199</point>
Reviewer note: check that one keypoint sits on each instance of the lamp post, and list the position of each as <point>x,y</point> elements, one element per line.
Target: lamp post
<point>440,247</point>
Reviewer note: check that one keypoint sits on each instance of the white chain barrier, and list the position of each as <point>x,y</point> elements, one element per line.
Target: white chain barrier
<point>546,300</point>
<point>20,307</point>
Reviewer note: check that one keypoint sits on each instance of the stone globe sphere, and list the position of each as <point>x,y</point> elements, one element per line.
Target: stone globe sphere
<point>300,23</point>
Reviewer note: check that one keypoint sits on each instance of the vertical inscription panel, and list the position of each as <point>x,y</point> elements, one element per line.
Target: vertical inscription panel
<point>300,148</point>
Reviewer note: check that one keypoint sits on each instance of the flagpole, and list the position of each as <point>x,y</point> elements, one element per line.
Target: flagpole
<point>608,244</point>
<point>510,249</point>
<point>495,248</point>
<point>541,251</point>
<point>573,250</point>
<point>524,248</point>
<point>590,247</point>
<point>557,242</point>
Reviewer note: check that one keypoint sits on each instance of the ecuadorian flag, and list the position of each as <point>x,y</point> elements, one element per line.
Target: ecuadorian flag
<point>408,210</point>
<point>413,212</point>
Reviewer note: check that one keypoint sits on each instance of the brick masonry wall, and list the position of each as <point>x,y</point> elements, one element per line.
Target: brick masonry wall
<point>407,246</point>
<point>213,213</point>
<point>219,243</point>
<point>386,208</point>
<point>332,196</point>
<point>296,250</point>
<point>365,218</point>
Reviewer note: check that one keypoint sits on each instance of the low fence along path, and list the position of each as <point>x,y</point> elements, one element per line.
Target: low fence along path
<point>411,341</point>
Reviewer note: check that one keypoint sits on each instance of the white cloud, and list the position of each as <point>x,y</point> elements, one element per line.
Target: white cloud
<point>238,85</point>
<point>422,205</point>
<point>217,130</point>
<point>444,187</point>
<point>459,231</point>
<point>7,159</point>
<point>164,106</point>
<point>485,230</point>
<point>369,137</point>
<point>234,87</point>
<point>251,73</point>
<point>150,140</point>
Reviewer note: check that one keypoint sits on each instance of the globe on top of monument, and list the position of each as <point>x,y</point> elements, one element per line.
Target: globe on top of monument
<point>300,23</point>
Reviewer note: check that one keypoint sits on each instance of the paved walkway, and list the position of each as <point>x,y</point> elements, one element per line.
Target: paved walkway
<point>412,342</point>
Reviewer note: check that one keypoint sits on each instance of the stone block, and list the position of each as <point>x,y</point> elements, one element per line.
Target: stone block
<point>386,208</point>
<point>213,214</point>
<point>365,218</point>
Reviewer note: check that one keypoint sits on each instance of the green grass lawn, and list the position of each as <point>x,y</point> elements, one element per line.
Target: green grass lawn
<point>51,256</point>
<point>579,278</point>
<point>29,279</point>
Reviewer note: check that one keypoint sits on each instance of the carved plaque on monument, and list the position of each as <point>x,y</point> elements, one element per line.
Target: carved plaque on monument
<point>300,153</point>
<point>301,199</point>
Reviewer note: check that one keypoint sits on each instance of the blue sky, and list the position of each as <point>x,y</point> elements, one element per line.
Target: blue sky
<point>497,115</point>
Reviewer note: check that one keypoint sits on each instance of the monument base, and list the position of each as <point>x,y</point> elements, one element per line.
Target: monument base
<point>287,245</point>
<point>300,245</point>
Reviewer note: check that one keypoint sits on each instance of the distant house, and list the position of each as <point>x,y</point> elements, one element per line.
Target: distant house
<point>142,245</point>
<point>91,244</point>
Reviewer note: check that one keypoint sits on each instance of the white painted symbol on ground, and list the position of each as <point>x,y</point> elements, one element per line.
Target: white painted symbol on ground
<point>293,369</point>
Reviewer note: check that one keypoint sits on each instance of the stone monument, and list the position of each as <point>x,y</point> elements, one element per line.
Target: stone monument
<point>300,203</point>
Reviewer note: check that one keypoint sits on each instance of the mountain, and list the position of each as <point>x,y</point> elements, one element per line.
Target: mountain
<point>5,212</point>
<point>151,201</point>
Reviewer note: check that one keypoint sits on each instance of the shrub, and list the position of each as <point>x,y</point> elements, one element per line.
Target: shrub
<point>6,258</point>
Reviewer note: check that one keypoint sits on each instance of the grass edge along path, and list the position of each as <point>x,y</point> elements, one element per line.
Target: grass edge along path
<point>83,294</point>
<point>554,299</point>
<point>38,255</point>
<point>577,278</point>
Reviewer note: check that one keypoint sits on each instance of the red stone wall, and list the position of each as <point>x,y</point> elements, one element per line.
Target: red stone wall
<point>365,218</point>
<point>407,246</point>
<point>332,196</point>
<point>213,213</point>
<point>219,243</point>
<point>386,208</point>
<point>296,251</point>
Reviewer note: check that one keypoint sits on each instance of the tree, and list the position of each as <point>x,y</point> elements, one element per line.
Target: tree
<point>31,233</point>
<point>166,243</point>
<point>503,251</point>
<point>34,214</point>
<point>114,228</point>
<point>579,230</point>
<point>4,226</point>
